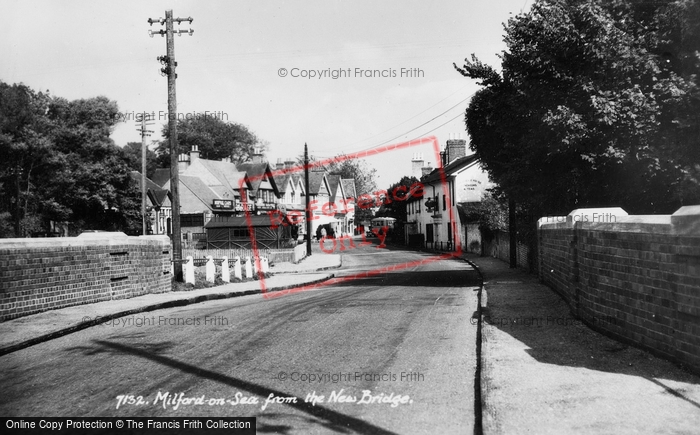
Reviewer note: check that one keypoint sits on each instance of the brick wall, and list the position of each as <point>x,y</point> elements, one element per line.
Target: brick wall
<point>499,247</point>
<point>636,278</point>
<point>43,274</point>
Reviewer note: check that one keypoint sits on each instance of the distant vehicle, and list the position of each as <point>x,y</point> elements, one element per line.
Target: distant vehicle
<point>378,223</point>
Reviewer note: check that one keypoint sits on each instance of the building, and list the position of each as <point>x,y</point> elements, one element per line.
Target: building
<point>220,190</point>
<point>434,220</point>
<point>158,206</point>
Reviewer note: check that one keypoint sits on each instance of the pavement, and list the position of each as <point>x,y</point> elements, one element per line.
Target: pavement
<point>543,372</point>
<point>29,330</point>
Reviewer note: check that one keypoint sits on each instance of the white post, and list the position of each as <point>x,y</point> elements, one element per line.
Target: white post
<point>189,270</point>
<point>210,269</point>
<point>265,265</point>
<point>225,272</point>
<point>237,268</point>
<point>248,268</point>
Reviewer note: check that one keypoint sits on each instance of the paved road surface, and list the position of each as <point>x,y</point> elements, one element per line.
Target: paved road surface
<point>405,334</point>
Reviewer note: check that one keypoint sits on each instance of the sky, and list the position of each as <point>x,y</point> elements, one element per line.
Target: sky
<point>251,62</point>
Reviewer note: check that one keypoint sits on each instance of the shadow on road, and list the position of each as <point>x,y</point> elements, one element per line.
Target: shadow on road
<point>325,417</point>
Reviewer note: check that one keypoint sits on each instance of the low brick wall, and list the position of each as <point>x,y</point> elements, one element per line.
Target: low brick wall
<point>636,278</point>
<point>43,274</point>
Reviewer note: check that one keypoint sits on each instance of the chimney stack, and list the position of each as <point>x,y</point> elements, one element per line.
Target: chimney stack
<point>289,163</point>
<point>194,154</point>
<point>417,165</point>
<point>279,164</point>
<point>425,170</point>
<point>257,155</point>
<point>183,161</point>
<point>456,147</point>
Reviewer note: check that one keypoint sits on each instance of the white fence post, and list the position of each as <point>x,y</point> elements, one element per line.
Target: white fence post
<point>210,269</point>
<point>189,270</point>
<point>248,268</point>
<point>225,272</point>
<point>237,268</point>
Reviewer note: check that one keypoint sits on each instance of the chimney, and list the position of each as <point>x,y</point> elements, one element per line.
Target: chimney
<point>279,164</point>
<point>425,170</point>
<point>257,155</point>
<point>183,161</point>
<point>456,147</point>
<point>289,163</point>
<point>417,165</point>
<point>194,154</point>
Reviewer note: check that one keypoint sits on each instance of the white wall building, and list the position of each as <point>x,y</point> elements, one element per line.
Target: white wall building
<point>433,221</point>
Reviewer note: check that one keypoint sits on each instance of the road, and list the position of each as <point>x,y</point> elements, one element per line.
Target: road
<point>402,340</point>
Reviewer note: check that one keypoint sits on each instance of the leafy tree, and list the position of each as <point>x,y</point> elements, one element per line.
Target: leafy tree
<point>396,207</point>
<point>132,156</point>
<point>365,181</point>
<point>392,207</point>
<point>597,104</point>
<point>215,138</point>
<point>61,164</point>
<point>26,151</point>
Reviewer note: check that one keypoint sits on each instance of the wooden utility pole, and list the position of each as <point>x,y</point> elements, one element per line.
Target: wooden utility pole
<point>169,70</point>
<point>513,233</point>
<point>145,121</point>
<point>308,212</point>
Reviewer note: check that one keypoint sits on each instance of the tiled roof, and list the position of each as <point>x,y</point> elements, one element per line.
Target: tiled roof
<point>315,181</point>
<point>203,192</point>
<point>161,176</point>
<point>349,187</point>
<point>156,192</point>
<point>450,169</point>
<point>333,185</point>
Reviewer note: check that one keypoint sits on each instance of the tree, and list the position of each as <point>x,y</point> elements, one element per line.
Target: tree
<point>596,105</point>
<point>132,156</point>
<point>26,152</point>
<point>215,138</point>
<point>61,164</point>
<point>365,181</point>
<point>392,207</point>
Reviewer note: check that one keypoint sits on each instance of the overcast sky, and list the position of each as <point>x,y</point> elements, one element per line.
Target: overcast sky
<point>231,65</point>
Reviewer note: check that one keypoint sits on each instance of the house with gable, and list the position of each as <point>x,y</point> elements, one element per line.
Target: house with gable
<point>158,206</point>
<point>208,189</point>
<point>435,219</point>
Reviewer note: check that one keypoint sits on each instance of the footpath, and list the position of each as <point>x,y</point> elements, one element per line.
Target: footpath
<point>545,372</point>
<point>29,330</point>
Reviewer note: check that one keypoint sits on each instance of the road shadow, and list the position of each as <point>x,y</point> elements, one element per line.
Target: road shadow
<point>319,415</point>
<point>408,278</point>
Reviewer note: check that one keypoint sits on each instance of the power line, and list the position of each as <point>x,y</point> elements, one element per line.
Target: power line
<point>404,122</point>
<point>423,124</point>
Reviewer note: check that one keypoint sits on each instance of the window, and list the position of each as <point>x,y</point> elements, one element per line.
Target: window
<point>192,220</point>
<point>240,232</point>
<point>444,206</point>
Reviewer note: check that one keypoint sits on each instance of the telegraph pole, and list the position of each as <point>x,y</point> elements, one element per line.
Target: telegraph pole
<point>308,212</point>
<point>144,133</point>
<point>169,70</point>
